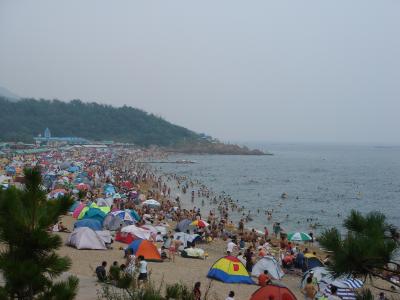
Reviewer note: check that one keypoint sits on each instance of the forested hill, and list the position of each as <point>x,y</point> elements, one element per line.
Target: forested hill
<point>20,121</point>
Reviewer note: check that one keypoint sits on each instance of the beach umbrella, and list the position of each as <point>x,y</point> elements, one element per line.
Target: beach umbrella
<point>343,293</point>
<point>82,186</point>
<point>73,169</point>
<point>199,223</point>
<point>135,215</point>
<point>123,215</point>
<point>57,193</point>
<point>299,236</point>
<point>151,202</point>
<point>127,184</point>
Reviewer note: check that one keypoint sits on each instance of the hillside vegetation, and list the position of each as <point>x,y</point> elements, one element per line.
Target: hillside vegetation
<point>20,121</point>
<point>23,119</point>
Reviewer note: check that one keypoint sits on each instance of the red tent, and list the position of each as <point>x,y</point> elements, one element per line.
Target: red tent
<point>273,291</point>
<point>124,237</point>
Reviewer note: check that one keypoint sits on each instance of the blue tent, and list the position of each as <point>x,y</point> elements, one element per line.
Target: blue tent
<point>183,225</point>
<point>91,223</point>
<point>95,213</point>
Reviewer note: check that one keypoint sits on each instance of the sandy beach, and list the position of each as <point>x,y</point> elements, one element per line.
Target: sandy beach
<point>184,270</point>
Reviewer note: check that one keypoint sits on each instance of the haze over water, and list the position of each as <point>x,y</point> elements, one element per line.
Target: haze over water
<point>327,179</point>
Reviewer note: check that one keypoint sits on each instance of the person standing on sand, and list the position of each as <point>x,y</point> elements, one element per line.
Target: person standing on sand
<point>309,291</point>
<point>230,247</point>
<point>249,260</point>
<point>231,296</point>
<point>142,269</point>
<point>196,291</point>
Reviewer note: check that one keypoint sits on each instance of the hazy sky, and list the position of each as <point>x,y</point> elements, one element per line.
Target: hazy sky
<point>311,71</point>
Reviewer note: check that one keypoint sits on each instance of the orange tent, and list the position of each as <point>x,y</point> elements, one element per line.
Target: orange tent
<point>273,291</point>
<point>145,248</point>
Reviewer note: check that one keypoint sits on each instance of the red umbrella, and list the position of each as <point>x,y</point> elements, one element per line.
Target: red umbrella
<point>127,184</point>
<point>82,186</point>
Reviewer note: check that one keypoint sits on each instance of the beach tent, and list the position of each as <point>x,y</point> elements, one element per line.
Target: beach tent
<point>94,213</point>
<point>104,202</point>
<point>90,223</point>
<point>137,231</point>
<point>270,264</point>
<point>311,261</point>
<point>229,269</point>
<point>183,225</point>
<point>273,291</point>
<point>145,248</point>
<point>105,235</point>
<point>112,222</point>
<point>86,238</point>
<point>185,238</point>
<point>78,210</point>
<point>321,274</point>
<point>124,237</point>
<point>155,229</point>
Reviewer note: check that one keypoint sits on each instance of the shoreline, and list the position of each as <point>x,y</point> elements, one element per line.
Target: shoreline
<point>150,183</point>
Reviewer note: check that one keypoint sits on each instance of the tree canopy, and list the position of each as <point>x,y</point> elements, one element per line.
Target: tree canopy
<point>21,120</point>
<point>29,262</point>
<point>366,250</point>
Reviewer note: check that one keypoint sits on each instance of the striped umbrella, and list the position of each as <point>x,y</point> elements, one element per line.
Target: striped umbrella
<point>299,236</point>
<point>343,293</point>
<point>200,223</point>
<point>353,283</point>
<point>345,288</point>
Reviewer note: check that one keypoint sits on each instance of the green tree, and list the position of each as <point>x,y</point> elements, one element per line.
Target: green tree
<point>28,262</point>
<point>366,250</point>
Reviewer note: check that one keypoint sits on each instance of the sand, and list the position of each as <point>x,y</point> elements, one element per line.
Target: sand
<point>184,270</point>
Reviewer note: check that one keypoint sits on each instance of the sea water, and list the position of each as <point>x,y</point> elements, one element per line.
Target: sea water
<point>323,183</point>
